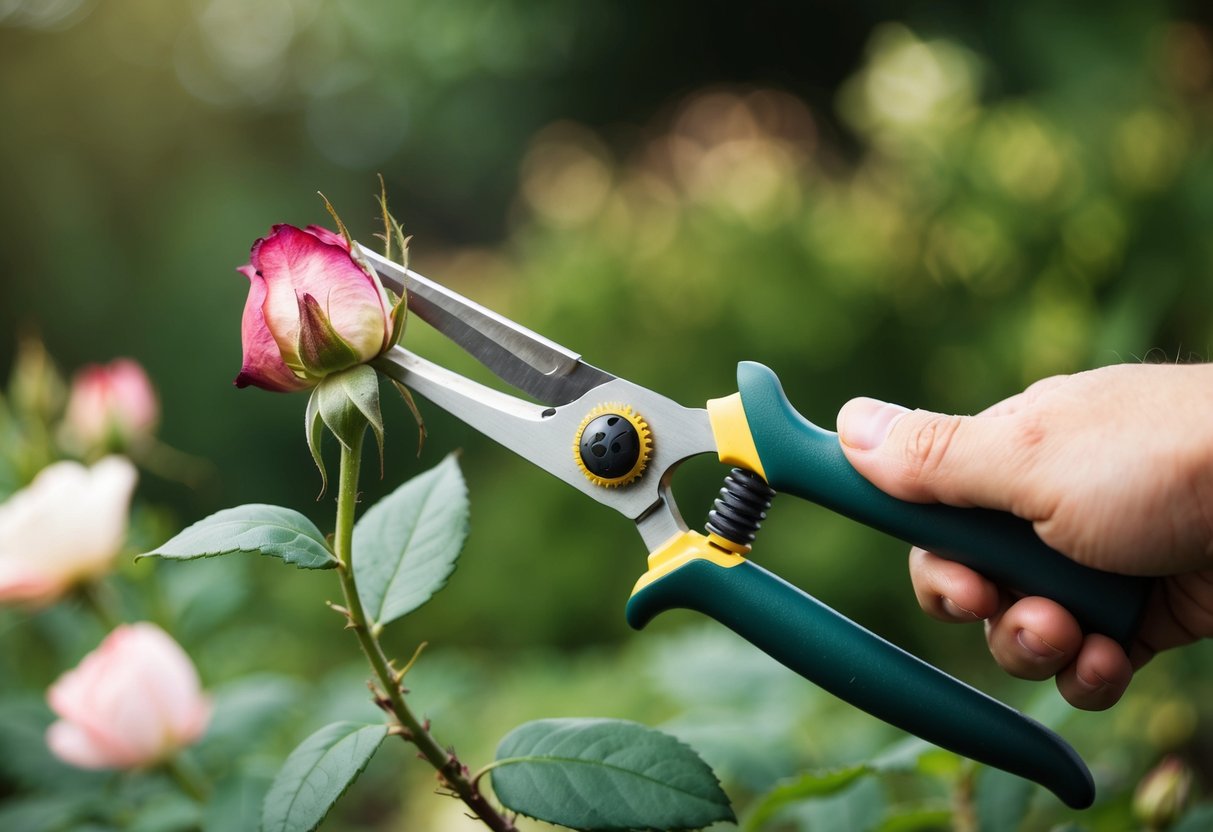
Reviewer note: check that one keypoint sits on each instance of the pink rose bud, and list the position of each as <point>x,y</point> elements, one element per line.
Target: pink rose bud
<point>111,406</point>
<point>64,527</point>
<point>1162,795</point>
<point>133,702</point>
<point>312,310</point>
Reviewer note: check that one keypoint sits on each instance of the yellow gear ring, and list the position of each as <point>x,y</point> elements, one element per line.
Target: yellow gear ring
<point>644,443</point>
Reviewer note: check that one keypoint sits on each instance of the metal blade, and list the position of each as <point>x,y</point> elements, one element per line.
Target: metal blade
<point>539,367</point>
<point>545,436</point>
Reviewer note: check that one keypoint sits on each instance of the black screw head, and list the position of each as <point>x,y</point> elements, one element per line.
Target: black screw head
<point>610,446</point>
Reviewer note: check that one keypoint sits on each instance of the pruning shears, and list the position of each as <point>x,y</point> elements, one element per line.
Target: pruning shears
<point>619,443</point>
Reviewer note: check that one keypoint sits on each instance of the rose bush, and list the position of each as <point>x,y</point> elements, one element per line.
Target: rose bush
<point>111,405</point>
<point>134,701</point>
<point>64,527</point>
<point>312,310</point>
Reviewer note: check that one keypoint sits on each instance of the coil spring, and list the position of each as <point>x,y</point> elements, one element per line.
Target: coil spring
<point>741,507</point>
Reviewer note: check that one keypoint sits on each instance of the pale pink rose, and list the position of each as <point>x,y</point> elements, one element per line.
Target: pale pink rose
<point>111,405</point>
<point>312,310</point>
<point>133,702</point>
<point>65,527</point>
<point>1162,795</point>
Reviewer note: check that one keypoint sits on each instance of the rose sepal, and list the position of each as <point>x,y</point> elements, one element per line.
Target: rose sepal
<point>345,403</point>
<point>320,349</point>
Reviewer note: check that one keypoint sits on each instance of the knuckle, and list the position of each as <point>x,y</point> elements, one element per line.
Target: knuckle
<point>1029,432</point>
<point>928,446</point>
<point>1190,597</point>
<point>1031,467</point>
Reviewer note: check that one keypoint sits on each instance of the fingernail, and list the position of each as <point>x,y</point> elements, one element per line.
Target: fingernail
<point>1091,683</point>
<point>864,423</point>
<point>957,611</point>
<point>1036,645</point>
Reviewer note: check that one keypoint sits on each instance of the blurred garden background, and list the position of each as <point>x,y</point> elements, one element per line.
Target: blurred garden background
<point>930,203</point>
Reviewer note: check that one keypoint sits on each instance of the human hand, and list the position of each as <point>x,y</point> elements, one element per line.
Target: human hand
<point>1113,467</point>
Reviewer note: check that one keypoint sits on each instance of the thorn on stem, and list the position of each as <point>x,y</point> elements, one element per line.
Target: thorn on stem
<point>403,732</point>
<point>380,698</point>
<point>400,674</point>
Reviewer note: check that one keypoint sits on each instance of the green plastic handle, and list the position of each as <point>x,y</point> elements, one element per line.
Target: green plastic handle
<point>867,671</point>
<point>802,459</point>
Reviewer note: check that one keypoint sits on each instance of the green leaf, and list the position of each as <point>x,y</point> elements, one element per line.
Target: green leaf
<point>390,226</point>
<point>606,774</point>
<point>918,819</point>
<point>807,785</point>
<point>236,803</point>
<point>399,317</point>
<point>317,773</point>
<point>857,808</point>
<point>406,545</point>
<point>411,404</point>
<point>25,761</point>
<point>348,402</point>
<point>165,812</point>
<point>267,530</point>
<point>902,755</point>
<point>38,813</point>
<point>200,599</point>
<point>1002,800</point>
<point>246,711</point>
<point>1199,817</point>
<point>313,426</point>
<point>328,206</point>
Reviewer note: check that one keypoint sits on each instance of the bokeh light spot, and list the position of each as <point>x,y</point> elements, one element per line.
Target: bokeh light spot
<point>565,175</point>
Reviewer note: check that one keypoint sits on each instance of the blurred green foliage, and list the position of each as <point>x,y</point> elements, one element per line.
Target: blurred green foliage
<point>933,204</point>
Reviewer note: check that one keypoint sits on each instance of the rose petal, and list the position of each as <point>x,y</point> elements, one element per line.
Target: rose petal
<point>132,397</point>
<point>87,408</point>
<point>67,525</point>
<point>332,238</point>
<point>93,697</point>
<point>75,746</point>
<point>325,236</point>
<point>104,510</point>
<point>263,365</point>
<point>116,400</point>
<point>133,701</point>
<point>294,263</point>
<point>26,588</point>
<point>169,681</point>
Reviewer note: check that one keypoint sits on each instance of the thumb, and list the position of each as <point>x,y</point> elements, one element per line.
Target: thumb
<point>924,457</point>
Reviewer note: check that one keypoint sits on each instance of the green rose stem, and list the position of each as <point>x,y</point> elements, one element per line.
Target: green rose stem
<point>451,771</point>
<point>99,599</point>
<point>188,776</point>
<point>964,810</point>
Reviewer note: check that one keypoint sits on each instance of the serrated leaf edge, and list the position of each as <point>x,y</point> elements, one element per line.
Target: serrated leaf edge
<point>727,806</point>
<point>349,782</point>
<point>158,553</point>
<point>450,458</point>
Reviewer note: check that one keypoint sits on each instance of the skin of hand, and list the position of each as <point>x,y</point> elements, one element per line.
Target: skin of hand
<point>1113,467</point>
